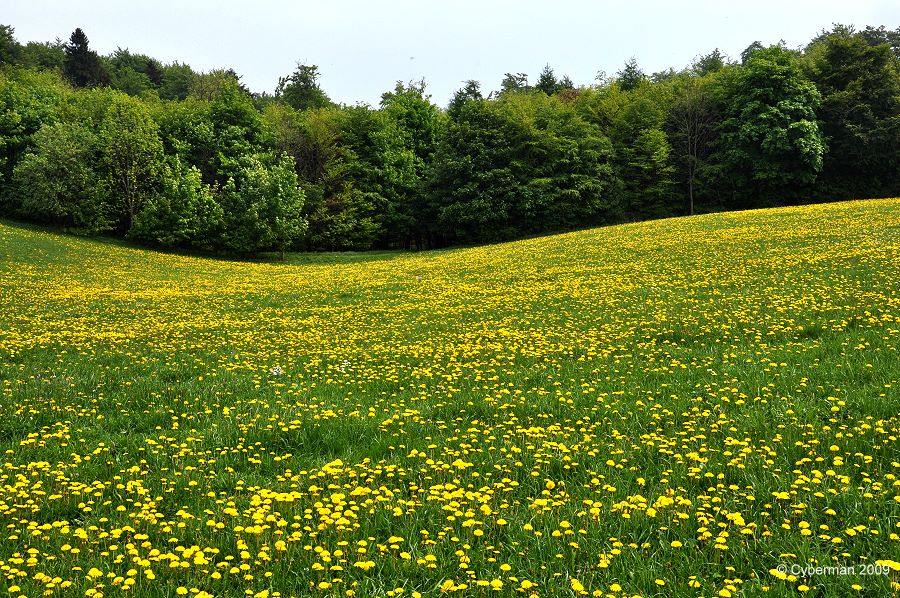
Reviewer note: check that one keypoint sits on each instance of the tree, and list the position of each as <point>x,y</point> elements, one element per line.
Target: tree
<point>10,50</point>
<point>336,220</point>
<point>649,165</point>
<point>860,113</point>
<point>28,100</point>
<point>82,66</point>
<point>514,82</point>
<point>357,172</point>
<point>212,85</point>
<point>238,132</point>
<point>547,82</point>
<point>175,81</point>
<point>709,63</point>
<point>635,122</point>
<point>56,181</point>
<point>44,55</point>
<point>693,123</point>
<point>665,76</point>
<point>188,133</point>
<point>565,165</point>
<point>411,108</point>
<point>263,207</point>
<point>153,70</point>
<point>631,75</point>
<point>877,36</point>
<point>183,213</point>
<point>523,164</point>
<point>129,72</point>
<point>644,155</point>
<point>408,146</point>
<point>471,91</point>
<point>301,90</point>
<point>750,50</point>
<point>132,154</point>
<point>771,147</point>
<point>473,187</point>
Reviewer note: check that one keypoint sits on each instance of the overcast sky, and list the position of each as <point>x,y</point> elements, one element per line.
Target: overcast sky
<point>363,47</point>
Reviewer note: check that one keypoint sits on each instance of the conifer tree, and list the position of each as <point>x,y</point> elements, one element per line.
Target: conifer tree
<point>82,66</point>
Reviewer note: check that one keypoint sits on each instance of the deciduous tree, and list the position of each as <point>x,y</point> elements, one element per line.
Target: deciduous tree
<point>770,146</point>
<point>56,181</point>
<point>263,207</point>
<point>301,90</point>
<point>132,155</point>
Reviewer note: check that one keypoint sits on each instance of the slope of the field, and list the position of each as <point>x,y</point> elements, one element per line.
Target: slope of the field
<point>668,408</point>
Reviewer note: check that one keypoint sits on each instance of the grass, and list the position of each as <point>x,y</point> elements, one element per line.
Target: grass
<point>671,408</point>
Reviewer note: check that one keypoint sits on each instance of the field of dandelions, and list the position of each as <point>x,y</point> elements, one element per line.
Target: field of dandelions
<point>699,406</point>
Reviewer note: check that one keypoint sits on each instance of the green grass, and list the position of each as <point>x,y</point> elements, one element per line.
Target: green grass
<point>593,410</point>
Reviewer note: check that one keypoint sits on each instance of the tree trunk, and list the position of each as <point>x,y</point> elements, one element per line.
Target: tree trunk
<point>691,194</point>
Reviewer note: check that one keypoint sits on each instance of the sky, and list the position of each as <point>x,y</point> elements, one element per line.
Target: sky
<point>362,48</point>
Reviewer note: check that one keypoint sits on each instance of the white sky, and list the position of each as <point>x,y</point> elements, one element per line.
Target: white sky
<point>363,47</point>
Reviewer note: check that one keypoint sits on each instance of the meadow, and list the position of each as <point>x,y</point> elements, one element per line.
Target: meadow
<point>669,408</point>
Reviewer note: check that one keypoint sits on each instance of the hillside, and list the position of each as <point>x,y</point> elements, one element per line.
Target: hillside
<point>673,407</point>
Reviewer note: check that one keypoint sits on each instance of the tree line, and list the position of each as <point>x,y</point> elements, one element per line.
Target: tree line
<point>166,156</point>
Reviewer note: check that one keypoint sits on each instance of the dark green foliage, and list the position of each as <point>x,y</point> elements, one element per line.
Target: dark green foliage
<point>710,63</point>
<point>188,133</point>
<point>175,158</point>
<point>56,181</point>
<point>877,36</point>
<point>635,122</point>
<point>410,138</point>
<point>131,73</point>
<point>514,82</point>
<point>238,132</point>
<point>750,51</point>
<point>415,115</point>
<point>10,50</point>
<point>353,191</point>
<point>175,81</point>
<point>44,55</point>
<point>860,113</point>
<point>631,75</point>
<point>471,91</point>
<point>82,66</point>
<point>770,144</point>
<point>153,70</point>
<point>568,167</point>
<point>361,168</point>
<point>353,167</point>
<point>526,164</point>
<point>300,90</point>
<point>474,187</point>
<point>547,82</point>
<point>692,123</point>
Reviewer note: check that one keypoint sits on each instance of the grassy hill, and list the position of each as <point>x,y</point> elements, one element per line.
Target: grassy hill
<point>668,408</point>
